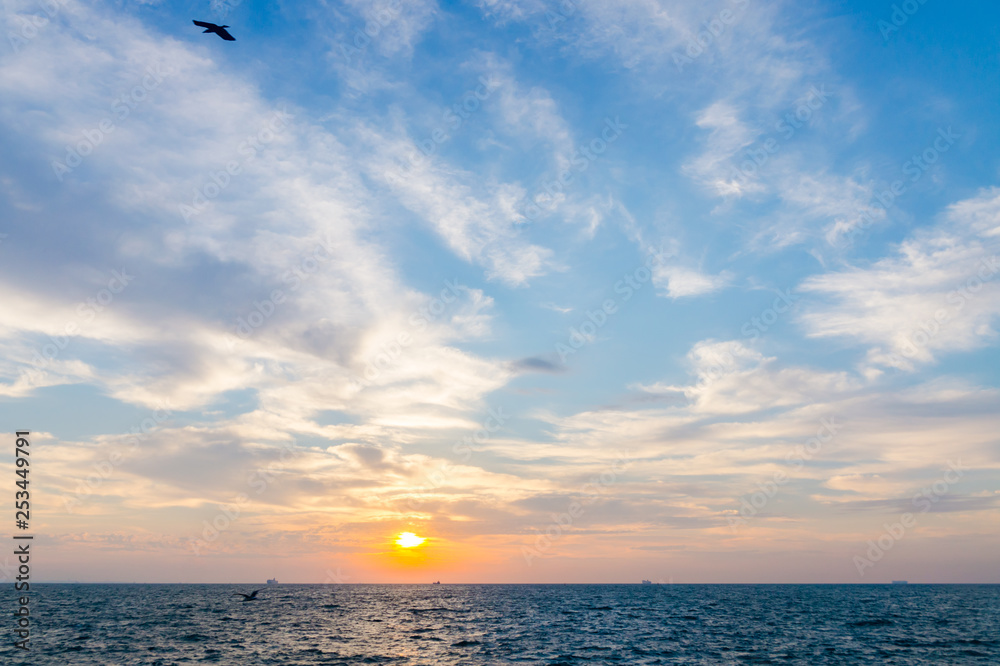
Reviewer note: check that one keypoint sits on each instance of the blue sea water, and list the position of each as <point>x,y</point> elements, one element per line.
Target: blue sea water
<point>161,625</point>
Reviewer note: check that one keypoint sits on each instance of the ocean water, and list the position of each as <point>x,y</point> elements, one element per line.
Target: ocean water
<point>509,624</point>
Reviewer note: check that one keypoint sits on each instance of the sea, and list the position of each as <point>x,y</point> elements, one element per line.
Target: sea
<point>554,625</point>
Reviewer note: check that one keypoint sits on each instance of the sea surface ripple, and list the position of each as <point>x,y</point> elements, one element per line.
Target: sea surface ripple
<point>554,625</point>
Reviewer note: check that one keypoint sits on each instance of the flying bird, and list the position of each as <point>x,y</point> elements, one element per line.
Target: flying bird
<point>220,30</point>
<point>247,597</point>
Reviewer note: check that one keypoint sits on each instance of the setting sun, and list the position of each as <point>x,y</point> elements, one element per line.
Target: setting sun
<point>409,540</point>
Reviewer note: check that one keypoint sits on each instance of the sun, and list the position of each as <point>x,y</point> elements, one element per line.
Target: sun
<point>409,540</point>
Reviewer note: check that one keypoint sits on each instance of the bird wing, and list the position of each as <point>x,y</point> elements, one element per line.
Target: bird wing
<point>253,595</point>
<point>202,24</point>
<point>222,32</point>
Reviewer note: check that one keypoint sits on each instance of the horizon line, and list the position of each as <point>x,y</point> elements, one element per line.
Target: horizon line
<point>251,584</point>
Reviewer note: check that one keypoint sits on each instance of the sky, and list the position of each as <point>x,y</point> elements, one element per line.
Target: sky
<point>577,292</point>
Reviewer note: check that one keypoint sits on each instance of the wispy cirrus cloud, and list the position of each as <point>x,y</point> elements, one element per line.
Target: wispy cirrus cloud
<point>936,293</point>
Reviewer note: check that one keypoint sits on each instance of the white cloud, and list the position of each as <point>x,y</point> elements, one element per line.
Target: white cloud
<point>679,282</point>
<point>733,379</point>
<point>477,220</point>
<point>671,274</point>
<point>397,26</point>
<point>727,134</point>
<point>533,115</point>
<point>938,292</point>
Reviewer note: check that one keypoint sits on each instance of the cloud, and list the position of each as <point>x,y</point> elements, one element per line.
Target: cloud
<point>476,220</point>
<point>727,134</point>
<point>944,503</point>
<point>532,116</point>
<point>733,379</point>
<point>937,292</point>
<point>536,364</point>
<point>672,273</point>
<point>391,29</point>
<point>679,282</point>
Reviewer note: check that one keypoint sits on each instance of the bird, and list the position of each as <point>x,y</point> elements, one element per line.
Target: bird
<point>220,30</point>
<point>247,597</point>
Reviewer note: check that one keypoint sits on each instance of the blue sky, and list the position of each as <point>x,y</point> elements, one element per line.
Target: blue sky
<point>260,293</point>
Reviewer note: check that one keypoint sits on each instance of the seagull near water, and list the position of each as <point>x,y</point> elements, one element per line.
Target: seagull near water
<point>220,30</point>
<point>247,597</point>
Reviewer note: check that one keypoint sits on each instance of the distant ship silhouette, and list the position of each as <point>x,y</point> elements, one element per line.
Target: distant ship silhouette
<point>646,582</point>
<point>900,582</point>
<point>437,582</point>
<point>272,581</point>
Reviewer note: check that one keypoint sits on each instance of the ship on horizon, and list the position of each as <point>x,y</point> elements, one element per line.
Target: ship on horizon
<point>272,581</point>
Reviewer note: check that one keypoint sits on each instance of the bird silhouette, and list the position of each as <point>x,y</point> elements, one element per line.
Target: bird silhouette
<point>220,30</point>
<point>247,597</point>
